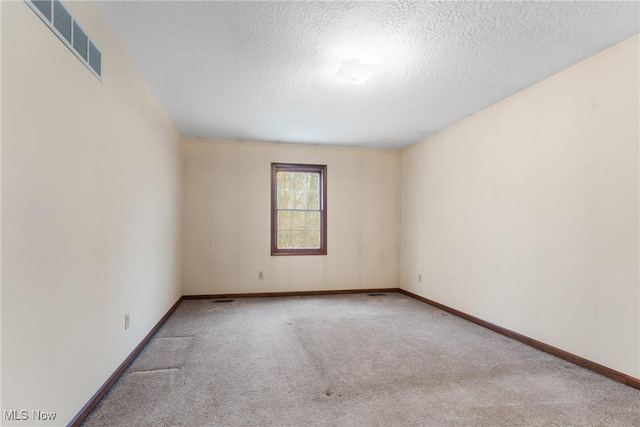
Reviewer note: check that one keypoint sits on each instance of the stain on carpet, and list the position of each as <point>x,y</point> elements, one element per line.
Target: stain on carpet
<point>164,353</point>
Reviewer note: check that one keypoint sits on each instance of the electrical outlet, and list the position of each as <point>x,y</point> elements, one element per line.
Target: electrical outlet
<point>260,275</point>
<point>420,278</point>
<point>126,321</point>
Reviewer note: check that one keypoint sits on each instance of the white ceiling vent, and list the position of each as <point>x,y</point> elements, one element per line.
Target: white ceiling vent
<point>59,20</point>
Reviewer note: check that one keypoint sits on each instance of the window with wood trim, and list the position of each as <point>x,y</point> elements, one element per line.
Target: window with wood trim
<point>298,209</point>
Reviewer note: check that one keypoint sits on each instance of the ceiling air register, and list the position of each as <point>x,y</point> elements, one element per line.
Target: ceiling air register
<point>62,24</point>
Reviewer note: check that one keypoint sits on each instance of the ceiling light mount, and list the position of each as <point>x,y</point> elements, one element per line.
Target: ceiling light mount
<point>355,72</point>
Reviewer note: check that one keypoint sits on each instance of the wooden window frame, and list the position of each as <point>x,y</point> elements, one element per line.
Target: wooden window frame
<point>298,167</point>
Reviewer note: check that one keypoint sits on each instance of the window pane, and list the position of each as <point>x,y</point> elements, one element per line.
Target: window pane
<point>284,239</point>
<point>314,182</point>
<point>284,200</point>
<point>284,180</point>
<point>298,220</point>
<point>313,239</point>
<point>300,181</point>
<point>298,239</point>
<point>298,200</point>
<point>313,201</point>
<point>284,220</point>
<point>313,221</point>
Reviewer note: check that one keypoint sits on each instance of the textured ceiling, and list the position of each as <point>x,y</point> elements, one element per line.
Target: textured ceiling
<point>264,71</point>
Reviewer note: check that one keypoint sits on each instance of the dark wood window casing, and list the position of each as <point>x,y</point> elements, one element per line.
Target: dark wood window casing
<point>298,209</point>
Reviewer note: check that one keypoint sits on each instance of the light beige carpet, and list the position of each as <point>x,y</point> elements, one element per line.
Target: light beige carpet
<point>351,360</point>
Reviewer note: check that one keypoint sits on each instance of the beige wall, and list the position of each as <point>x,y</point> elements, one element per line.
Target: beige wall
<point>526,214</point>
<point>227,219</point>
<point>90,214</point>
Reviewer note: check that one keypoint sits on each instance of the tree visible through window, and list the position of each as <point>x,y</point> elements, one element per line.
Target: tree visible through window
<point>298,209</point>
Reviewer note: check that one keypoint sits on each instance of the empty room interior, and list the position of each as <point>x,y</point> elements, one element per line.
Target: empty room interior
<point>320,213</point>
